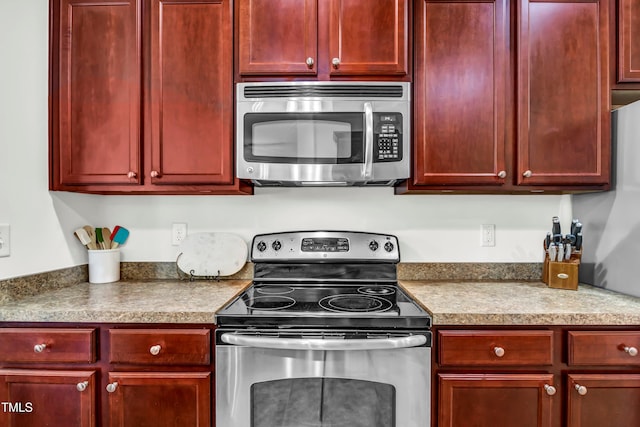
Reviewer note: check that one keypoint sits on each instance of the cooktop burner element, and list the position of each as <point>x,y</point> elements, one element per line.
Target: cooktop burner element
<point>324,279</point>
<point>275,290</point>
<point>377,290</point>
<point>354,303</point>
<point>271,303</point>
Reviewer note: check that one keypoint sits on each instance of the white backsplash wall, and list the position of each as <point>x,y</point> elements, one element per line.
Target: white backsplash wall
<point>431,228</point>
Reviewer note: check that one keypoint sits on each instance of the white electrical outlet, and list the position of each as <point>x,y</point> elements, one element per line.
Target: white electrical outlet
<point>178,233</point>
<point>488,233</point>
<point>5,240</point>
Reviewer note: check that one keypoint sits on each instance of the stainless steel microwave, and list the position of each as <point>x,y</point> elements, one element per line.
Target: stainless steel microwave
<point>323,133</point>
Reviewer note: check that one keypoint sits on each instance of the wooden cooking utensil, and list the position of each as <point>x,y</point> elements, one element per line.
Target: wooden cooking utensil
<point>92,235</point>
<point>106,236</point>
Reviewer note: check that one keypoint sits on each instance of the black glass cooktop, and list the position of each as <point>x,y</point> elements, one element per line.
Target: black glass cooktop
<point>284,304</point>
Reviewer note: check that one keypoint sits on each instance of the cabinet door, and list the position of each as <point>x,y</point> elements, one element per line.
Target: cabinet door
<point>460,92</point>
<point>277,37</point>
<point>95,92</point>
<point>159,399</point>
<point>35,398</point>
<point>368,37</point>
<point>488,400</point>
<point>191,95</point>
<point>628,45</point>
<point>563,96</point>
<point>597,400</point>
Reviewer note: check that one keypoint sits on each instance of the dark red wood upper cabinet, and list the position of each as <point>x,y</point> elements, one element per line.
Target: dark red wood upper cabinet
<point>96,99</point>
<point>323,39</point>
<point>191,96</point>
<point>142,97</point>
<point>563,96</point>
<point>629,41</point>
<point>277,36</point>
<point>460,92</point>
<point>368,37</point>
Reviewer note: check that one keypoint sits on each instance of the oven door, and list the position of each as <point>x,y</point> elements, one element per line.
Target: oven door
<point>304,380</point>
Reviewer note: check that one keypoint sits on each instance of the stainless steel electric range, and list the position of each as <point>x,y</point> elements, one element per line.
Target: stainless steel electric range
<point>324,336</point>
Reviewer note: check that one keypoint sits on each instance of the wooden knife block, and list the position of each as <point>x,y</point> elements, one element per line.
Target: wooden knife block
<point>562,275</point>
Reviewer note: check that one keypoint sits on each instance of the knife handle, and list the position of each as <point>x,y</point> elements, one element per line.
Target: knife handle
<point>555,229</point>
<point>547,241</point>
<point>560,252</point>
<point>574,222</point>
<point>578,241</point>
<point>553,252</point>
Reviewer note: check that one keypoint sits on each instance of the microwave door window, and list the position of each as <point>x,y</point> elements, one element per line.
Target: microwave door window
<point>305,139</point>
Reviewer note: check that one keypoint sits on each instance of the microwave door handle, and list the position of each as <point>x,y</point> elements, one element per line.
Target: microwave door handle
<point>324,344</point>
<point>368,142</point>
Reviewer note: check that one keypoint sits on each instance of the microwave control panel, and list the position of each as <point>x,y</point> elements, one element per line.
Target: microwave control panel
<point>387,130</point>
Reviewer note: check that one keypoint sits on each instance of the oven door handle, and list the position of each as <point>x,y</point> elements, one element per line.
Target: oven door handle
<point>323,343</point>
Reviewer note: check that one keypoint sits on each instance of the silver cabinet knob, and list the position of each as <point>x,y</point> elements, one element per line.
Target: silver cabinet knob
<point>155,350</point>
<point>527,174</point>
<point>335,62</point>
<point>155,174</point>
<point>502,174</point>
<point>582,390</point>
<point>551,390</point>
<point>131,175</point>
<point>39,348</point>
<point>310,62</point>
<point>498,351</point>
<point>631,351</point>
<point>111,387</point>
<point>82,386</point>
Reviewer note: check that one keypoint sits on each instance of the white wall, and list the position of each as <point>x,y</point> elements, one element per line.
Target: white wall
<point>430,228</point>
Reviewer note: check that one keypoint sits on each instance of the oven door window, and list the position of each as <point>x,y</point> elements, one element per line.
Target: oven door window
<point>322,402</point>
<point>304,138</point>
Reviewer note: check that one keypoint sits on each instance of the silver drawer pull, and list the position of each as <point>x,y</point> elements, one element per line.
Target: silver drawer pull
<point>111,387</point>
<point>155,350</point>
<point>631,351</point>
<point>551,390</point>
<point>39,348</point>
<point>82,386</point>
<point>498,351</point>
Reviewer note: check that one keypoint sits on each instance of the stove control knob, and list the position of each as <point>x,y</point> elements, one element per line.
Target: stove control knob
<point>261,246</point>
<point>389,247</point>
<point>373,245</point>
<point>276,245</point>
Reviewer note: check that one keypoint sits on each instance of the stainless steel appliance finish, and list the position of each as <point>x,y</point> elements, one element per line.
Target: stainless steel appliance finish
<point>610,220</point>
<point>323,133</point>
<point>323,337</point>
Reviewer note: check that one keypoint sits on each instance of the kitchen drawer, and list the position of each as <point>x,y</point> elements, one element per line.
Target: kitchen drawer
<point>60,345</point>
<point>604,347</point>
<point>160,346</point>
<point>495,348</point>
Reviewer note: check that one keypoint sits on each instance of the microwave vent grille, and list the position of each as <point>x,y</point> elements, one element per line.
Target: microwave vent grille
<point>303,91</point>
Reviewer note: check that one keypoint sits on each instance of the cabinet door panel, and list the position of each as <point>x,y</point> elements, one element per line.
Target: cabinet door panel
<point>488,400</point>
<point>563,98</point>
<point>610,400</point>
<point>191,92</point>
<point>368,37</point>
<point>47,398</point>
<point>629,41</point>
<point>277,36</point>
<point>96,104</point>
<point>160,399</point>
<point>460,90</point>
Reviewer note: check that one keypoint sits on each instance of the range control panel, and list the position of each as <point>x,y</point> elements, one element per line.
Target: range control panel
<point>325,246</point>
<point>387,129</point>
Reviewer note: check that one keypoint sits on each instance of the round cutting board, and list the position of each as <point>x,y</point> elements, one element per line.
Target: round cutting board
<point>212,254</point>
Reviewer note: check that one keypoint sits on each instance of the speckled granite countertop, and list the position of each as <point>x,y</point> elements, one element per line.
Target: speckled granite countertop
<point>522,303</point>
<point>157,301</point>
<point>450,303</point>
